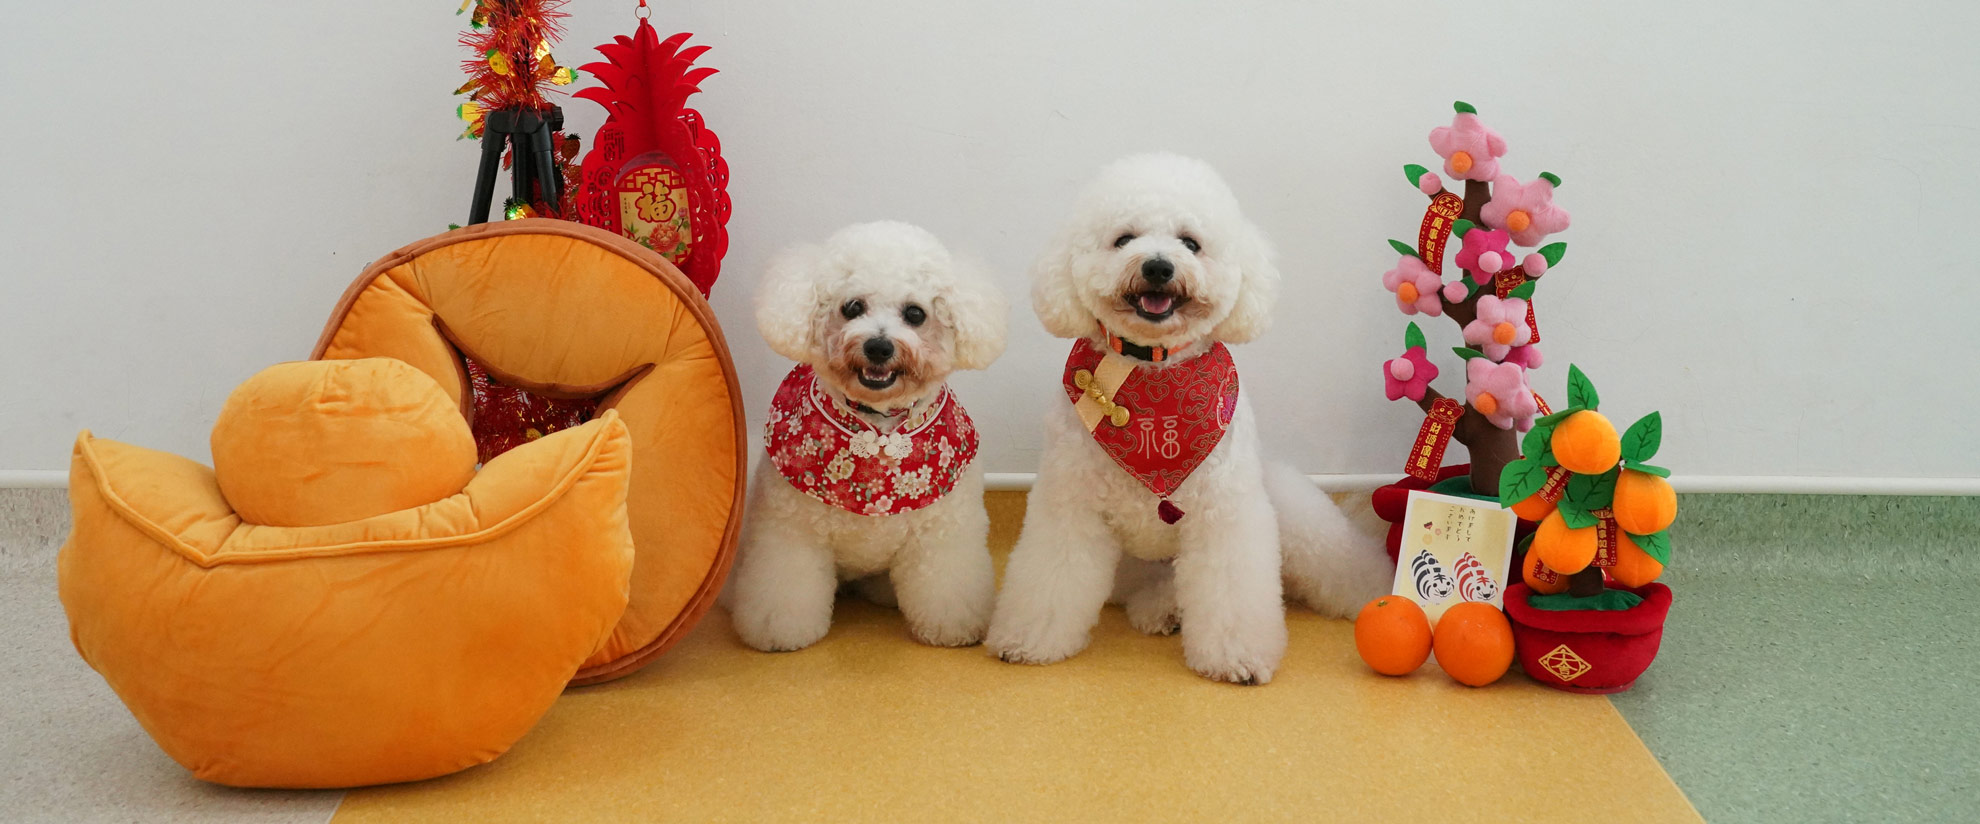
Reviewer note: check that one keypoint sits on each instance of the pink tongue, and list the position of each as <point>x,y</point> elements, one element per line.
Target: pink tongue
<point>1157,304</point>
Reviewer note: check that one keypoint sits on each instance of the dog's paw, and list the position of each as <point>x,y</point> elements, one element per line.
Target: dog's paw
<point>1153,615</point>
<point>773,632</point>
<point>947,636</point>
<point>1013,650</point>
<point>1232,664</point>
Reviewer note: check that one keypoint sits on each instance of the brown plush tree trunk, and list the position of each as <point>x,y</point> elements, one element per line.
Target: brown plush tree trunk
<point>1586,583</point>
<point>1491,448</point>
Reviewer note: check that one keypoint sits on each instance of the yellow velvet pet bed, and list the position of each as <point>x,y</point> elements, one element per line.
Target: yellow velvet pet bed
<point>531,325</point>
<point>344,599</point>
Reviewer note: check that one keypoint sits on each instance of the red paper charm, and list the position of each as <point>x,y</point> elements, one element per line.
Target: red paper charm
<point>1437,221</point>
<point>655,172</point>
<point>506,416</point>
<point>1426,456</point>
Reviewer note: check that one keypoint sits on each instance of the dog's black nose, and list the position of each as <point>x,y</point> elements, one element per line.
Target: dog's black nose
<point>878,350</point>
<point>1157,271</point>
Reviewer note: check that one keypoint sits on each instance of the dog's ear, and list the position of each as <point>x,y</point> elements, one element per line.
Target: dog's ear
<point>788,302</point>
<point>1258,288</point>
<point>1055,289</point>
<point>977,314</point>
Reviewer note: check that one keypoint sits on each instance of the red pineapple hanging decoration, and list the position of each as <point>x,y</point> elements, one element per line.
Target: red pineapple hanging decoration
<point>655,172</point>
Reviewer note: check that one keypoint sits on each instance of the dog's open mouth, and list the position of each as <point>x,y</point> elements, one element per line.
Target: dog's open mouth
<point>877,377</point>
<point>1154,306</point>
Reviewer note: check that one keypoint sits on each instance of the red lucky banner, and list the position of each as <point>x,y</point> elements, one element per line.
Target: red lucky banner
<point>1503,285</point>
<point>1606,533</point>
<point>1426,456</point>
<point>1436,228</point>
<point>1555,485</point>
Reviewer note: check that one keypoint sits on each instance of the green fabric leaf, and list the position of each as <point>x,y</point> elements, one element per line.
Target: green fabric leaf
<point>1403,248</point>
<point>1550,177</point>
<point>1519,480</point>
<point>1641,440</point>
<point>1553,252</point>
<point>1592,492</point>
<point>1412,337</point>
<point>1556,417</point>
<point>1460,226</point>
<point>1611,600</point>
<point>1648,469</point>
<point>1657,546</point>
<point>1463,107</point>
<point>1467,353</point>
<point>1574,514</point>
<point>1539,442</point>
<point>1581,390</point>
<point>1524,291</point>
<point>1414,173</point>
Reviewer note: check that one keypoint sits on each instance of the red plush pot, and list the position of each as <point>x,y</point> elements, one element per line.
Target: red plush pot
<point>1591,651</point>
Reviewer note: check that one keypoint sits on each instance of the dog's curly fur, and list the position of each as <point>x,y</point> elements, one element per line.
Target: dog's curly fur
<point>1091,534</point>
<point>933,562</point>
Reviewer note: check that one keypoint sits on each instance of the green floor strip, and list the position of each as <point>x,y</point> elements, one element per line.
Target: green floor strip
<point>1820,663</point>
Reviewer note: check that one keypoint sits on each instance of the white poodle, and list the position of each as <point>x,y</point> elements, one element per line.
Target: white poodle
<point>1157,270</point>
<point>870,476</point>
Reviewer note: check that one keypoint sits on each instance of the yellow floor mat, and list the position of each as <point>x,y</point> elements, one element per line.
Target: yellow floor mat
<point>869,726</point>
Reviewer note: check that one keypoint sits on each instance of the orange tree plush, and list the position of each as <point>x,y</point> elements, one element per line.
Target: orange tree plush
<point>400,634</point>
<point>531,325</point>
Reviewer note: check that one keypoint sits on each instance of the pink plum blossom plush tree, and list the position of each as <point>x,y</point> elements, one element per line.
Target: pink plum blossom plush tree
<point>1490,297</point>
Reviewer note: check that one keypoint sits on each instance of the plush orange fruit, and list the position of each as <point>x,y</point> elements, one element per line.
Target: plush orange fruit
<point>1540,577</point>
<point>1533,508</point>
<point>1474,643</point>
<point>1634,567</point>
<point>1586,443</point>
<point>1564,550</point>
<point>1393,635</point>
<point>1645,504</point>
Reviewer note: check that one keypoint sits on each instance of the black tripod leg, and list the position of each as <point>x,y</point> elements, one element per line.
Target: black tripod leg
<point>545,168</point>
<point>519,172</point>
<point>484,179</point>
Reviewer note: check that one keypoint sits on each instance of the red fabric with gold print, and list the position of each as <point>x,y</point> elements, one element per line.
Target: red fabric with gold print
<point>1173,415</point>
<point>830,453</point>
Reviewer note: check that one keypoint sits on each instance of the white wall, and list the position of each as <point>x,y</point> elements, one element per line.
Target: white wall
<point>1772,239</point>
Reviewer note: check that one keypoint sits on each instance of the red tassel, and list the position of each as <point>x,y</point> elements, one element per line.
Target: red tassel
<point>1170,513</point>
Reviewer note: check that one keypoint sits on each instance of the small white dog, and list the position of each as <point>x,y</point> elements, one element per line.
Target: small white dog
<point>870,477</point>
<point>1152,452</point>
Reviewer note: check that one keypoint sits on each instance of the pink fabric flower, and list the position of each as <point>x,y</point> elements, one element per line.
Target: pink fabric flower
<point>1416,287</point>
<point>1430,184</point>
<point>1408,376</point>
<point>1499,392</point>
<point>1526,210</point>
<point>1484,253</point>
<point>1499,326</point>
<point>1470,151</point>
<point>1526,356</point>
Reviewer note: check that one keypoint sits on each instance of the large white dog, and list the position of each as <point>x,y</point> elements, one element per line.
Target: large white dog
<point>1152,451</point>
<point>870,476</point>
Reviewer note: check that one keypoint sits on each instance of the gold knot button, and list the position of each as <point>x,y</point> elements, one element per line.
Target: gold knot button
<point>1116,414</point>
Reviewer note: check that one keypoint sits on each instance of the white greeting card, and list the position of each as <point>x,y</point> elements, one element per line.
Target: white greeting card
<point>1454,550</point>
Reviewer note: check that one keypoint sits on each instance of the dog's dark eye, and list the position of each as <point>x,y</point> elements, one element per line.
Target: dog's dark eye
<point>853,308</point>
<point>1190,244</point>
<point>1123,240</point>
<point>914,315</point>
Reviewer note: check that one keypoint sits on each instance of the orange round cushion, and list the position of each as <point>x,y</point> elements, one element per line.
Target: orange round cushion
<point>402,646</point>
<point>307,444</point>
<point>572,312</point>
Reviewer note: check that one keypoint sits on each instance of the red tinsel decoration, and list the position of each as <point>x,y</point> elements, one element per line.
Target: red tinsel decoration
<point>511,67</point>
